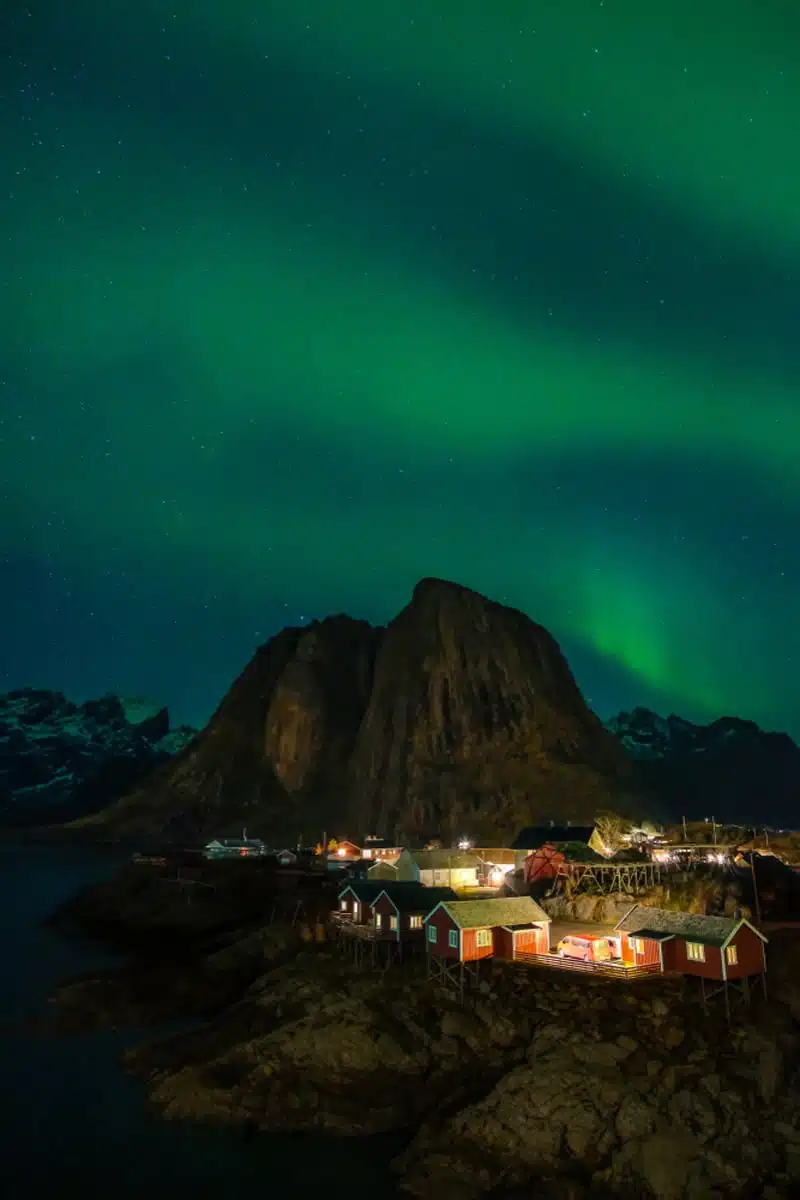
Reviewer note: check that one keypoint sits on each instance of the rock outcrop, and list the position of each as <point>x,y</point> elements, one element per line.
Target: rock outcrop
<point>462,714</point>
<point>565,1085</point>
<point>755,773</point>
<point>60,760</point>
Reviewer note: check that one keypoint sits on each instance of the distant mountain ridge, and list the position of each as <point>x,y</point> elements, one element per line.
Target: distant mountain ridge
<point>460,718</point>
<point>729,768</point>
<point>60,760</point>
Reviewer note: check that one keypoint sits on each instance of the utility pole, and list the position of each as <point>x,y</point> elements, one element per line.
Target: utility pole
<point>685,834</point>
<point>756,901</point>
<point>714,830</point>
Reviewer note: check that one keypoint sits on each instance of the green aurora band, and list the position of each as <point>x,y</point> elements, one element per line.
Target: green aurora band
<point>282,394</point>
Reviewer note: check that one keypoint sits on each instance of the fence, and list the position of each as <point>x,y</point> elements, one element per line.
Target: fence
<point>605,969</point>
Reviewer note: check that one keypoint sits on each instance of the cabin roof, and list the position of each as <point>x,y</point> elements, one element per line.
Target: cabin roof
<point>372,843</point>
<point>537,835</point>
<point>662,924</point>
<point>367,890</point>
<point>511,910</point>
<point>521,927</point>
<point>500,855</point>
<point>417,899</point>
<point>443,860</point>
<point>230,842</point>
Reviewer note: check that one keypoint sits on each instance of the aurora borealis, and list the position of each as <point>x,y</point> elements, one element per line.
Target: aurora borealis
<point>303,301</point>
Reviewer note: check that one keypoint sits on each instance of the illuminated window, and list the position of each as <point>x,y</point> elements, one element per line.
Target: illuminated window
<point>415,922</point>
<point>377,918</point>
<point>695,952</point>
<point>637,945</point>
<point>453,939</point>
<point>393,922</point>
<point>483,937</point>
<point>343,905</point>
<point>431,933</point>
<point>732,955</point>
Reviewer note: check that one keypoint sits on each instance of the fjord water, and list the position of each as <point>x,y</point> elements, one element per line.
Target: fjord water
<point>73,1123</point>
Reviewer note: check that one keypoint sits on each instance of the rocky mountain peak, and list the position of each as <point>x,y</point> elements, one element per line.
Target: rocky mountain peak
<point>475,722</point>
<point>461,715</point>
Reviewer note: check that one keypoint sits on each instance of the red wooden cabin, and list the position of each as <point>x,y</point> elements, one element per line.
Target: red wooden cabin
<point>471,930</point>
<point>531,938</point>
<point>357,900</point>
<point>400,909</point>
<point>543,863</point>
<point>725,949</point>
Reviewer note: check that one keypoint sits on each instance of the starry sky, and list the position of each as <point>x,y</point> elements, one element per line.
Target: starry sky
<point>303,301</point>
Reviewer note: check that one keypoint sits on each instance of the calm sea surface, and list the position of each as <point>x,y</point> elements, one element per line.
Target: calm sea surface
<point>72,1123</point>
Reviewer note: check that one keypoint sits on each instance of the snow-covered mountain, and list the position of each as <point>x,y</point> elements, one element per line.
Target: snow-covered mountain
<point>730,767</point>
<point>60,760</point>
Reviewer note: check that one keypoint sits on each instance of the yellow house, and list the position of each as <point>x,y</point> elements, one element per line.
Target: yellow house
<point>439,868</point>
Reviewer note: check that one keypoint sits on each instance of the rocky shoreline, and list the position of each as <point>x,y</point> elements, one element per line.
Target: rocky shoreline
<point>539,1084</point>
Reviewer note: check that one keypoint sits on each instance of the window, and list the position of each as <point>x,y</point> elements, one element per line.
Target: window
<point>431,933</point>
<point>637,945</point>
<point>453,939</point>
<point>695,952</point>
<point>483,937</point>
<point>343,905</point>
<point>415,922</point>
<point>377,918</point>
<point>732,955</point>
<point>393,922</point>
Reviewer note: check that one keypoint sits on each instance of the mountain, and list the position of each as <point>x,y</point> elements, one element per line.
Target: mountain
<point>729,768</point>
<point>460,717</point>
<point>59,760</point>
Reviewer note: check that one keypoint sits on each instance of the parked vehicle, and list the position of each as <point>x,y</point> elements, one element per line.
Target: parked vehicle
<point>590,947</point>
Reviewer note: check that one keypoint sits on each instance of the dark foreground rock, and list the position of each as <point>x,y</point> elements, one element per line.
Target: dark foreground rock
<point>629,1091</point>
<point>540,1084</point>
<point>155,989</point>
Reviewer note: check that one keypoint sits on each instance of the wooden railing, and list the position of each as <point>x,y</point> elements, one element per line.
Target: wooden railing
<point>351,929</point>
<point>608,970</point>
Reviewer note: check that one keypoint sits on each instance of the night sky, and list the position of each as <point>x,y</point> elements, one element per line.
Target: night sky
<point>303,300</point>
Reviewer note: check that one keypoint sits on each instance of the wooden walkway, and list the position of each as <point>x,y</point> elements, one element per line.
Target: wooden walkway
<point>605,970</point>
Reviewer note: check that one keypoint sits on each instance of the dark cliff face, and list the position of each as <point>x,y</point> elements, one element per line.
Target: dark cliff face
<point>475,725</point>
<point>729,766</point>
<point>462,716</point>
<point>275,751</point>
